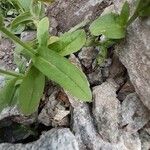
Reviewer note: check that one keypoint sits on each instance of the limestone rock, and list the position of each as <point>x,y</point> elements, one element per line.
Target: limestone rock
<point>134,114</point>
<point>134,53</point>
<point>106,108</point>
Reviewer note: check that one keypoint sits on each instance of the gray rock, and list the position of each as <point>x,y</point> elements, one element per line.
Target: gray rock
<point>9,111</point>
<point>53,113</point>
<point>106,109</point>
<point>130,141</point>
<point>134,53</point>
<point>117,71</point>
<point>145,137</point>
<point>95,77</point>
<point>134,114</point>
<point>87,55</point>
<point>28,35</point>
<point>70,13</point>
<point>125,90</point>
<point>55,139</point>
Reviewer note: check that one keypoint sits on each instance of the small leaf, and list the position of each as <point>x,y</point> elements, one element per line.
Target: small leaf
<point>60,70</point>
<point>69,42</point>
<point>108,25</point>
<point>31,90</point>
<point>101,57</point>
<point>24,17</point>
<point>125,13</point>
<point>42,32</point>
<point>7,93</point>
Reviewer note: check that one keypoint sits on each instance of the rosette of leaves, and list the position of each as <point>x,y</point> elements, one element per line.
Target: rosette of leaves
<point>46,61</point>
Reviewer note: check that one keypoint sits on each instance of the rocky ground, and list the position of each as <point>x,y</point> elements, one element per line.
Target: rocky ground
<point>119,116</point>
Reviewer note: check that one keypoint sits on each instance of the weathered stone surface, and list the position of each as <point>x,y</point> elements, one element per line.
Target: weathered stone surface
<point>6,54</point>
<point>28,35</point>
<point>9,111</point>
<point>87,55</point>
<point>125,90</point>
<point>53,113</point>
<point>134,114</point>
<point>106,108</point>
<point>117,71</point>
<point>55,139</point>
<point>69,13</point>
<point>145,137</point>
<point>134,53</point>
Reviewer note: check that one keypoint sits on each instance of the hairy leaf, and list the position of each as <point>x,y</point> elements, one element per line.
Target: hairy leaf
<point>60,70</point>
<point>69,42</point>
<point>7,93</point>
<point>109,26</point>
<point>42,32</point>
<point>31,90</point>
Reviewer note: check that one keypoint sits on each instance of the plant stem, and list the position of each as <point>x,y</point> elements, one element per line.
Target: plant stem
<point>11,73</point>
<point>27,48</point>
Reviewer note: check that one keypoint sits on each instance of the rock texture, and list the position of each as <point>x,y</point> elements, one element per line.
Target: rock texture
<point>69,13</point>
<point>106,109</point>
<point>134,114</point>
<point>134,53</point>
<point>55,139</point>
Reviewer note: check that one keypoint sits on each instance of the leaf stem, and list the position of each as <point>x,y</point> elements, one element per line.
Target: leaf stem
<point>27,48</point>
<point>11,73</point>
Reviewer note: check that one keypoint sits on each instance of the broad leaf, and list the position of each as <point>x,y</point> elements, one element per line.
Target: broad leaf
<point>109,26</point>
<point>31,90</point>
<point>60,70</point>
<point>42,32</point>
<point>69,42</point>
<point>24,17</point>
<point>125,13</point>
<point>7,93</point>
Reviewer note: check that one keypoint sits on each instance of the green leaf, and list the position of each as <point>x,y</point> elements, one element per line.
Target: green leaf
<point>24,17</point>
<point>101,57</point>
<point>42,32</point>
<point>25,4</point>
<point>37,10</point>
<point>60,70</point>
<point>109,26</point>
<point>69,42</point>
<point>1,20</point>
<point>145,12</point>
<point>125,13</point>
<point>7,93</point>
<point>53,39</point>
<point>31,90</point>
